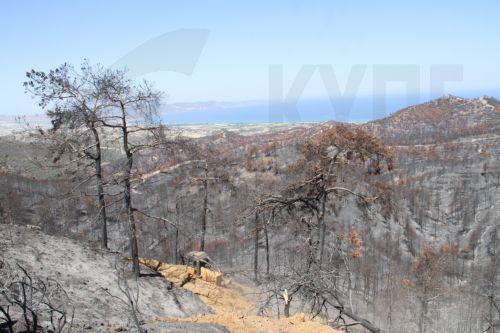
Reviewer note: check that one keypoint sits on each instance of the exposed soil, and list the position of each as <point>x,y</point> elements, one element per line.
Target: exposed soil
<point>234,306</point>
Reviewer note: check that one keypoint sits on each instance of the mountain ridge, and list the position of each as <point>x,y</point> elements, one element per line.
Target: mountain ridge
<point>439,120</point>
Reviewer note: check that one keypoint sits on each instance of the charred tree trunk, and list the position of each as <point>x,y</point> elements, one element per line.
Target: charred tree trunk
<point>205,209</point>
<point>256,249</point>
<point>423,315</point>
<point>287,300</point>
<point>176,245</point>
<point>266,235</point>
<point>360,321</point>
<point>322,227</point>
<point>286,309</point>
<point>134,250</point>
<point>100,190</point>
<point>176,240</point>
<point>310,246</point>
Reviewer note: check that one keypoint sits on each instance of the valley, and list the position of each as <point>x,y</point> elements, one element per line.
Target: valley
<point>406,236</point>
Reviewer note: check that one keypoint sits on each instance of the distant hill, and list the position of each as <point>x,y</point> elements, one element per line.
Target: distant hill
<point>444,119</point>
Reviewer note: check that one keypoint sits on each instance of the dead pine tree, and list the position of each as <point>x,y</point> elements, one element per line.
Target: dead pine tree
<point>427,285</point>
<point>204,181</point>
<point>133,112</point>
<point>256,249</point>
<point>36,301</point>
<point>261,226</point>
<point>332,162</point>
<point>211,172</point>
<point>266,239</point>
<point>75,102</point>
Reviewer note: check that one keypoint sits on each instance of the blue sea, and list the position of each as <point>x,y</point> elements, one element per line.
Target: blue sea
<point>360,109</point>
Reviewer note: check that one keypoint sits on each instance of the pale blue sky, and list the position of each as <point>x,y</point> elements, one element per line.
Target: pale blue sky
<point>246,37</point>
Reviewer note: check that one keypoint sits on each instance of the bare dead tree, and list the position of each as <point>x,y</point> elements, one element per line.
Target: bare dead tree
<point>211,173</point>
<point>266,238</point>
<point>132,108</point>
<point>256,248</point>
<point>35,299</point>
<point>304,205</point>
<point>75,102</point>
<point>129,298</point>
<point>490,289</point>
<point>6,279</point>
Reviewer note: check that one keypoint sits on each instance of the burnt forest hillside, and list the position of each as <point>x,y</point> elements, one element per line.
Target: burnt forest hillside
<point>391,225</point>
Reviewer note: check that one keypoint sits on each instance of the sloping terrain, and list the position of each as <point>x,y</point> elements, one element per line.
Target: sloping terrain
<point>440,120</point>
<point>89,278</point>
<point>234,306</point>
<point>443,193</point>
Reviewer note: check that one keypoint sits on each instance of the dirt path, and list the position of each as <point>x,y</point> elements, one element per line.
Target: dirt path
<point>234,307</point>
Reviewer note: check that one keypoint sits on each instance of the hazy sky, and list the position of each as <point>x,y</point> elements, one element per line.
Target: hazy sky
<point>246,37</point>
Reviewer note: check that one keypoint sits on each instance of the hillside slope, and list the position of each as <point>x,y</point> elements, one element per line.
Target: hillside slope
<point>235,306</point>
<point>440,120</point>
<point>443,194</point>
<point>89,278</point>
